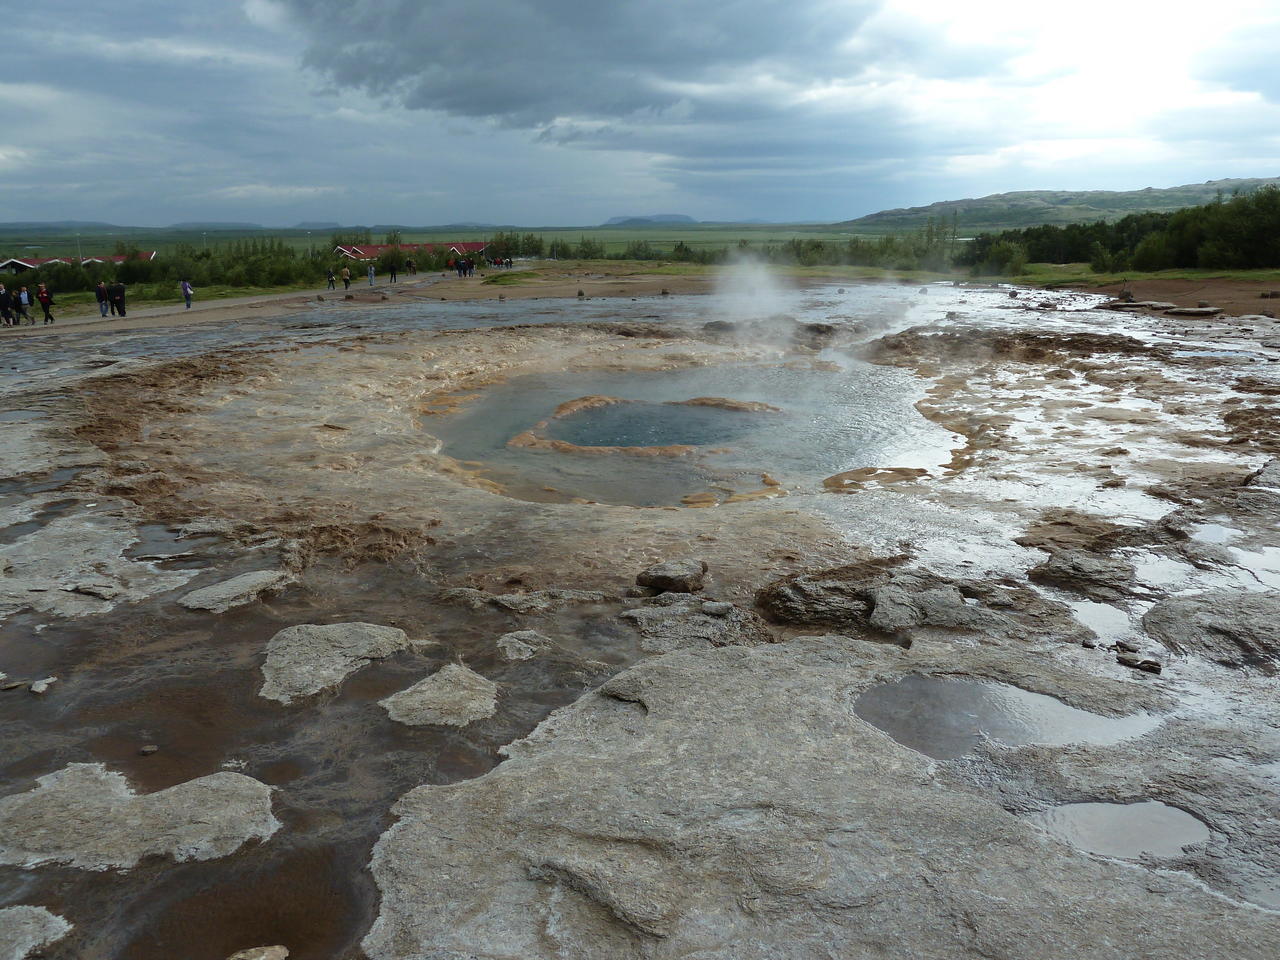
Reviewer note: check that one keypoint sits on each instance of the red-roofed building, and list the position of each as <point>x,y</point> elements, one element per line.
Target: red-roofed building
<point>372,251</point>
<point>19,264</point>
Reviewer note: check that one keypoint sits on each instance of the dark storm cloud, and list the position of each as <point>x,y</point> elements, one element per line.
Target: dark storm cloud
<point>527,62</point>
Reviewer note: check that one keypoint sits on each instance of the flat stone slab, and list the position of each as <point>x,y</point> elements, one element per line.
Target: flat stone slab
<point>676,576</point>
<point>24,929</point>
<point>453,696</point>
<point>236,592</point>
<point>728,804</point>
<point>261,953</point>
<point>308,657</point>
<point>87,817</point>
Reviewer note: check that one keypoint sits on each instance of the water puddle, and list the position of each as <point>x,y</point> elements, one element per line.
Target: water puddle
<point>946,718</point>
<point>1125,830</point>
<point>46,515</point>
<point>1108,622</point>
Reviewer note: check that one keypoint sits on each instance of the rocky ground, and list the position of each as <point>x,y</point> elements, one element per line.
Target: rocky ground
<point>316,685</point>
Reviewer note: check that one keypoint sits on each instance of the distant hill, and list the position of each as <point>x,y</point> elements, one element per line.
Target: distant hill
<point>1029,208</point>
<point>651,220</point>
<point>40,226</point>
<point>214,225</point>
<point>317,225</point>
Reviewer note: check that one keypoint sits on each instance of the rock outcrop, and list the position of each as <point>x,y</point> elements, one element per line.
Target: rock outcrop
<point>1096,576</point>
<point>87,817</point>
<point>452,696</point>
<point>307,658</point>
<point>1237,628</point>
<point>674,621</point>
<point>727,804</point>
<point>534,602</point>
<point>236,592</point>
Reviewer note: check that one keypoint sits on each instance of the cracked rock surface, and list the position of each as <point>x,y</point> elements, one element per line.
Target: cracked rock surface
<point>87,817</point>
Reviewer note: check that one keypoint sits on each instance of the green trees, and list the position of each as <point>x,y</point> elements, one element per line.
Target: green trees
<point>1242,232</point>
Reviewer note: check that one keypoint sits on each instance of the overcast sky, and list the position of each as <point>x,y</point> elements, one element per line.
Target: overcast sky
<point>546,112</point>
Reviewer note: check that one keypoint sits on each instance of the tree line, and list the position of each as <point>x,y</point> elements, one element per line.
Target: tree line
<point>1239,233</point>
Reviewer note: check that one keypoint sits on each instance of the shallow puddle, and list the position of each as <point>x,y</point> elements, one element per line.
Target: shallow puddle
<point>1126,830</point>
<point>946,718</point>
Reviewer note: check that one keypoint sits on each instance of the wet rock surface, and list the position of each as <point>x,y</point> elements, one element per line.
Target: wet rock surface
<point>454,696</point>
<point>738,828</point>
<point>676,621</point>
<point>1238,628</point>
<point>307,658</point>
<point>87,817</point>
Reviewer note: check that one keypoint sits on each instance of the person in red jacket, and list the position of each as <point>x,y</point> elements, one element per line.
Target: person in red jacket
<point>46,301</point>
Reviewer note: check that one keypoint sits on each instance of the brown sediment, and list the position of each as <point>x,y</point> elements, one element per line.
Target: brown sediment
<point>1258,427</point>
<point>851,481</point>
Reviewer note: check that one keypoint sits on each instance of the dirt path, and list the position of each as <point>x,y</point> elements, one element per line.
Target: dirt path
<point>554,283</point>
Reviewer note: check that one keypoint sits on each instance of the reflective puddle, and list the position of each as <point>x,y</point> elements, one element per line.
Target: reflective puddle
<point>946,718</point>
<point>1126,830</point>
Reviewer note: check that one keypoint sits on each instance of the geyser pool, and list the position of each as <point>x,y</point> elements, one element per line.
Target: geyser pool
<point>653,425</point>
<point>829,417</point>
<point>1127,830</point>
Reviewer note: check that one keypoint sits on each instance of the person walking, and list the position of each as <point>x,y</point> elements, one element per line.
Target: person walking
<point>100,291</point>
<point>393,273</point>
<point>331,279</point>
<point>371,274</point>
<point>115,293</point>
<point>6,307</point>
<point>188,291</point>
<point>46,301</point>
<point>346,278</point>
<point>22,301</point>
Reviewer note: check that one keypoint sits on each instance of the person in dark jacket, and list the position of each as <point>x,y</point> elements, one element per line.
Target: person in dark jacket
<point>115,293</point>
<point>100,291</point>
<point>46,301</point>
<point>6,306</point>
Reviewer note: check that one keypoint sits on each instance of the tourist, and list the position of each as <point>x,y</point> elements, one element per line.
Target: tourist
<point>100,294</point>
<point>346,278</point>
<point>6,307</point>
<point>332,280</point>
<point>371,274</point>
<point>22,301</point>
<point>115,293</point>
<point>393,272</point>
<point>46,301</point>
<point>188,291</point>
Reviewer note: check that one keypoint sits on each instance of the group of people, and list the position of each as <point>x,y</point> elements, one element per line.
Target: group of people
<point>15,305</point>
<point>465,266</point>
<point>111,296</point>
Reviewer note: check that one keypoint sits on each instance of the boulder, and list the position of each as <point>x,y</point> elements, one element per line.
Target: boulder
<point>522,644</point>
<point>307,658</point>
<point>1238,628</point>
<point>87,817</point>
<point>236,592</point>
<point>24,930</point>
<point>261,953</point>
<point>728,804</point>
<point>453,696</point>
<point>675,576</point>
